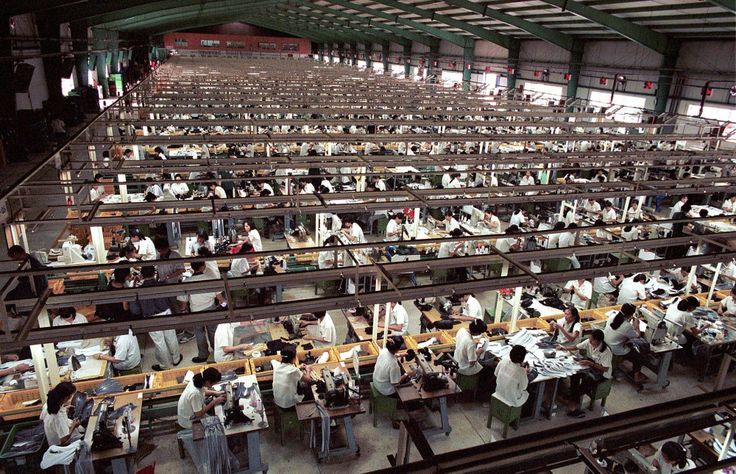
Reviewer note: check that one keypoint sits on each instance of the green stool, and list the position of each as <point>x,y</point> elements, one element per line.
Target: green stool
<point>287,421</point>
<point>468,383</point>
<point>504,413</point>
<point>380,404</point>
<point>600,392</point>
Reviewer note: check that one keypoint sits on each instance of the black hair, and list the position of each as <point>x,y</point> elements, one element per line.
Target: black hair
<point>394,343</point>
<point>121,274</point>
<point>203,234</point>
<point>599,336</point>
<point>683,304</point>
<point>67,312</point>
<point>559,225</point>
<point>675,453</point>
<point>127,150</point>
<point>640,277</point>
<point>572,225</point>
<point>456,233</point>
<point>686,208</point>
<point>16,251</point>
<point>197,265</point>
<point>204,252</point>
<point>288,353</point>
<point>98,176</point>
<point>627,310</point>
<point>57,395</point>
<point>400,215</point>
<point>512,229</point>
<point>703,213</point>
<point>137,233</point>
<point>210,374</point>
<point>448,213</point>
<point>607,204</point>
<point>161,243</point>
<point>331,240</point>
<point>575,314</point>
<point>477,327</point>
<point>517,354</point>
<point>319,314</point>
<point>148,271</point>
<point>694,302</point>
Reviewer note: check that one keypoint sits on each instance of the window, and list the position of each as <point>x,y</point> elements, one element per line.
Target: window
<point>629,106</point>
<point>722,114</point>
<point>290,47</point>
<point>180,43</point>
<point>235,44</point>
<point>450,78</point>
<point>542,93</point>
<point>210,43</point>
<point>267,46</point>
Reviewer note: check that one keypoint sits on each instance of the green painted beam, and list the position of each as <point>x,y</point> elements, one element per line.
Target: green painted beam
<point>467,66</point>
<point>547,34</point>
<point>436,32</point>
<point>576,64</point>
<point>368,50</point>
<point>407,61</point>
<point>513,62</point>
<point>297,18</point>
<point>729,5</point>
<point>145,21</point>
<point>104,12</point>
<point>367,32</point>
<point>385,52</point>
<point>478,31</point>
<point>397,31</point>
<point>664,82</point>
<point>637,33</point>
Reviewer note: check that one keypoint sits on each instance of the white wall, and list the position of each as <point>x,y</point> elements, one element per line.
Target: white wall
<point>38,90</point>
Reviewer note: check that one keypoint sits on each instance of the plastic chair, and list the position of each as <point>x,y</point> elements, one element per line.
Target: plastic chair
<point>504,413</point>
<point>380,404</point>
<point>287,421</point>
<point>600,392</point>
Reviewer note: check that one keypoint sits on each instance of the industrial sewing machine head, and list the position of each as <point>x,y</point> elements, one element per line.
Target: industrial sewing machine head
<point>103,436</point>
<point>333,389</point>
<point>430,379</point>
<point>231,411</point>
<point>656,332</point>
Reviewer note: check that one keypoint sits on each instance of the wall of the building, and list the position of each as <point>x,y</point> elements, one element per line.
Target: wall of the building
<point>25,25</point>
<point>237,28</point>
<point>237,43</point>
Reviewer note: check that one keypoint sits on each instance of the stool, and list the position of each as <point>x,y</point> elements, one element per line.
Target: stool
<point>504,413</point>
<point>615,362</point>
<point>380,403</point>
<point>600,392</point>
<point>287,421</point>
<point>181,434</point>
<point>468,383</point>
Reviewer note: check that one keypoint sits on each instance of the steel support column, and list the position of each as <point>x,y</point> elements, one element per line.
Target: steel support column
<point>513,63</point>
<point>385,51</point>
<point>666,74</point>
<point>468,52</point>
<point>576,62</point>
<point>407,60</point>
<point>368,51</point>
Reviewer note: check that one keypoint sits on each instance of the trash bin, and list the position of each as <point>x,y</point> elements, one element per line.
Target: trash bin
<point>22,461</point>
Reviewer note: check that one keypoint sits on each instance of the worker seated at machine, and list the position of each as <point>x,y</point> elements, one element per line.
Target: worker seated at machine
<point>291,384</point>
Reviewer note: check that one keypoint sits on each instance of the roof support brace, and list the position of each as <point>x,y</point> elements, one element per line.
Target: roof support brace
<point>468,52</point>
<point>576,62</point>
<point>513,62</point>
<point>666,74</point>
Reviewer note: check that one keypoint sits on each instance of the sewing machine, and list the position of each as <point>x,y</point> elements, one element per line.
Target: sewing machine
<point>103,437</point>
<point>656,330</point>
<point>335,391</point>
<point>231,412</point>
<point>430,380</point>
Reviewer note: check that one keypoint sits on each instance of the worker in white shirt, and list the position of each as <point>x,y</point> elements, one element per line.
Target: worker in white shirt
<point>729,205</point>
<point>387,372</point>
<point>632,289</point>
<point>288,380</point>
<point>592,207</point>
<point>216,191</point>
<point>264,186</point>
<point>510,243</point>
<point>144,247</point>
<point>672,458</point>
<point>253,236</point>
<point>57,426</point>
<point>491,221</point>
<point>202,240</point>
<point>450,222</point>
<point>580,292</point>
<point>567,331</point>
<point>466,351</point>
<point>447,177</point>
<point>97,190</point>
<point>678,206</point>
<point>728,304</point>
<point>378,183</point>
<point>200,302</point>
<point>325,186</point>
<point>398,319</point>
<point>512,378</point>
<point>527,179</point>
<point>553,240</point>
<point>352,231</point>
<point>605,288</point>
<point>225,347</point>
<point>679,318</point>
<point>609,213</point>
<point>326,333</point>
<point>191,406</point>
<point>68,316</point>
<point>127,354</point>
<point>599,362</point>
<point>634,212</point>
<point>470,309</point>
<point>518,218</point>
<point>454,181</point>
<point>394,229</point>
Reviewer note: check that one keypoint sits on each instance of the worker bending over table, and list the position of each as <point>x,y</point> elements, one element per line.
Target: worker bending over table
<point>512,378</point>
<point>597,357</point>
<point>59,429</point>
<point>467,352</point>
<point>125,354</point>
<point>387,372</point>
<point>326,332</point>
<point>290,383</point>
<point>470,310</point>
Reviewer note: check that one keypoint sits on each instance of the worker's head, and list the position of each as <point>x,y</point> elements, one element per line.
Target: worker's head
<point>198,266</point>
<point>683,199</point>
<point>136,235</point>
<point>121,275</point>
<point>572,225</point>
<point>248,226</point>
<point>16,252</point>
<point>572,315</point>
<point>703,213</point>
<point>607,205</point>
<point>247,247</point>
<point>399,217</point>
<point>288,354</point>
<point>67,313</point>
<point>464,297</point>
<point>683,305</point>
<point>596,339</point>
<point>128,153</point>
<point>128,252</point>
<point>320,314</point>
<point>640,278</point>
<point>559,225</point>
<point>148,272</point>
<point>162,245</point>
<point>456,233</point>
<point>674,454</point>
<point>394,343</point>
<point>477,327</point>
<point>98,178</point>
<point>202,237</point>
<point>693,302</point>
<point>59,396</point>
<point>448,215</point>
<point>512,229</point>
<point>209,377</point>
<point>488,212</point>
<point>686,208</point>
<point>347,221</point>
<point>517,354</point>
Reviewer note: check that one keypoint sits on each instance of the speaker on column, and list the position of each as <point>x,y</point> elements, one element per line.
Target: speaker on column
<point>22,77</point>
